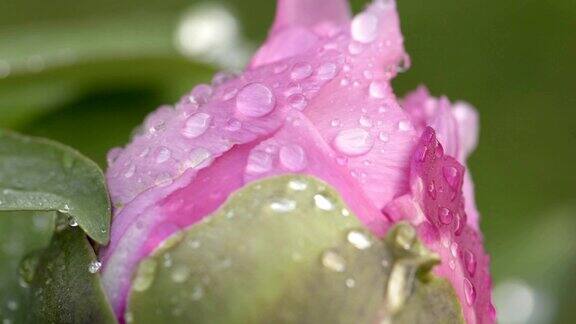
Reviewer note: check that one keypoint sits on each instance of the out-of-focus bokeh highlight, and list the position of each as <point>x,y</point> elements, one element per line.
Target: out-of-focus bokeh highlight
<point>86,72</point>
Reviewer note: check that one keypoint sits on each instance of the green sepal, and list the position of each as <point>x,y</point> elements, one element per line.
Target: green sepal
<point>286,250</point>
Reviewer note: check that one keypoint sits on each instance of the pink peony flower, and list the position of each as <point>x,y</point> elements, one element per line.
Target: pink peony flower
<point>316,99</point>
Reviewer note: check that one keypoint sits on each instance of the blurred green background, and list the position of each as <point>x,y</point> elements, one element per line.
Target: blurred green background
<point>86,72</point>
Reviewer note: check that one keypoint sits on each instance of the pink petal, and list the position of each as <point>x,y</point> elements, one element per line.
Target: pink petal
<point>299,148</point>
<point>436,181</point>
<point>298,26</point>
<point>456,127</point>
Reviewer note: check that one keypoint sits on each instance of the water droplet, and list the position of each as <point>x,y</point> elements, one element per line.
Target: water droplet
<point>255,100</point>
<point>335,123</point>
<point>145,275</point>
<point>180,274</point>
<point>197,293</point>
<point>297,185</point>
<point>163,155</point>
<point>130,171</point>
<point>405,126</point>
<point>293,157</point>
<point>64,209</point>
<point>345,212</point>
<point>94,266</point>
<point>327,71</point>
<point>353,142</point>
<point>196,125</point>
<point>259,162</point>
<point>359,240</point>
<point>233,125</point>
<point>333,261</point>
<point>283,205</point>
<point>454,249</point>
<point>420,155</point>
<point>201,94</point>
<point>470,262</point>
<point>301,71</point>
<point>350,283</point>
<point>405,237</point>
<point>445,215</point>
<point>451,175</point>
<point>364,27</point>
<point>194,244</point>
<point>113,155</point>
<point>469,291</point>
<point>460,224</point>
<point>432,190</point>
<point>12,305</point>
<point>452,264</point>
<point>322,202</point>
<point>378,89</point>
<point>222,77</point>
<point>297,101</point>
<point>365,121</point>
<point>384,137</point>
<point>355,48</point>
<point>72,221</point>
<point>198,158</point>
<point>163,180</point>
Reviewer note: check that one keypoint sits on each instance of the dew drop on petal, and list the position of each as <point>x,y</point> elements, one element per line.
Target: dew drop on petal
<point>293,157</point>
<point>364,27</point>
<point>198,158</point>
<point>333,261</point>
<point>469,292</point>
<point>163,155</point>
<point>454,249</point>
<point>451,175</point>
<point>130,171</point>
<point>113,155</point>
<point>233,125</point>
<point>327,71</point>
<point>353,142</point>
<point>445,215</point>
<point>384,137</point>
<point>196,125</point>
<point>405,126</point>
<point>255,100</point>
<point>470,262</point>
<point>301,71</point>
<point>297,101</point>
<point>259,162</point>
<point>378,89</point>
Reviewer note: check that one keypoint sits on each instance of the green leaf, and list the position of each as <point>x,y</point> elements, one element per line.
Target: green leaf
<point>38,174</point>
<point>282,250</point>
<point>66,287</point>
<point>21,234</point>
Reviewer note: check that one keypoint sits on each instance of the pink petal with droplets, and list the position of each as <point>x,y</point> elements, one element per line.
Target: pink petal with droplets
<point>436,182</point>
<point>298,27</point>
<point>456,126</point>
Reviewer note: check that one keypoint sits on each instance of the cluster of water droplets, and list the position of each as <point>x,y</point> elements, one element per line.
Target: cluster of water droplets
<point>444,205</point>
